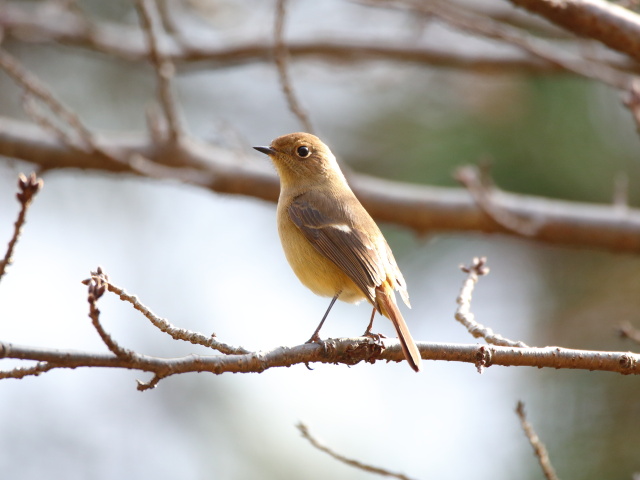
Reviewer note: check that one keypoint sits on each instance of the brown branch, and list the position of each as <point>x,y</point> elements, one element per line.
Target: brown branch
<point>304,430</point>
<point>281,57</point>
<point>346,351</point>
<point>463,314</point>
<point>36,89</point>
<point>610,24</point>
<point>626,330</point>
<point>21,372</point>
<point>96,288</point>
<point>538,447</point>
<point>163,67</point>
<point>29,187</point>
<point>60,26</point>
<point>151,384</point>
<point>37,93</point>
<point>487,27</point>
<point>162,324</point>
<point>420,208</point>
<point>475,182</point>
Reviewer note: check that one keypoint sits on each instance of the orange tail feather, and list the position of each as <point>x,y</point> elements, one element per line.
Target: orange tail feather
<point>385,300</point>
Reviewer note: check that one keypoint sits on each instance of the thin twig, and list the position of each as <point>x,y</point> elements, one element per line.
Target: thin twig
<point>631,100</point>
<point>33,110</point>
<point>29,187</point>
<point>538,447</point>
<point>626,330</point>
<point>97,287</point>
<point>21,372</point>
<point>56,25</point>
<point>463,313</point>
<point>164,326</point>
<point>151,384</point>
<point>35,88</point>
<point>282,60</point>
<point>476,183</point>
<point>163,67</point>
<point>488,28</point>
<point>600,20</point>
<point>304,430</point>
<point>35,91</point>
<point>168,23</point>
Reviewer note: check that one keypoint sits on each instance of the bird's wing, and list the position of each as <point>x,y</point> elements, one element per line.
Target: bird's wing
<point>334,235</point>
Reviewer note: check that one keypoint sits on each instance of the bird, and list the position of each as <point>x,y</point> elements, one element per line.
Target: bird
<point>332,244</point>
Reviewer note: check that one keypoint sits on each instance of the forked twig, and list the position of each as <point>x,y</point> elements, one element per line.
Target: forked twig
<point>35,89</point>
<point>29,187</point>
<point>477,185</point>
<point>163,325</point>
<point>463,313</point>
<point>487,27</point>
<point>164,68</point>
<point>304,430</point>
<point>97,286</point>
<point>538,447</point>
<point>282,63</point>
<point>63,122</point>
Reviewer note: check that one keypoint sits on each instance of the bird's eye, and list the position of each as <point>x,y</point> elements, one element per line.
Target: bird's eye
<point>303,152</point>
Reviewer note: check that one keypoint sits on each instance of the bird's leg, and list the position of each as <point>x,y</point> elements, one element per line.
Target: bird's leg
<point>316,335</point>
<point>367,333</point>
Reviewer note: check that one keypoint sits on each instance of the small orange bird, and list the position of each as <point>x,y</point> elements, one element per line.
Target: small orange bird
<point>332,244</point>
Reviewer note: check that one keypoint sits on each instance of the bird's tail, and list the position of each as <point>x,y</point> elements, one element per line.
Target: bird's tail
<point>386,303</point>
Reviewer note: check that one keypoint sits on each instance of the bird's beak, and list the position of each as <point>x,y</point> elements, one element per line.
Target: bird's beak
<point>265,150</point>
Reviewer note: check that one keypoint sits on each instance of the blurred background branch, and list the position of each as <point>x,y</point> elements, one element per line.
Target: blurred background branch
<point>105,99</point>
<point>423,208</point>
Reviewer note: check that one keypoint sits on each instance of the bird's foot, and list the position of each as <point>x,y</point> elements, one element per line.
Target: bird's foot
<point>376,337</point>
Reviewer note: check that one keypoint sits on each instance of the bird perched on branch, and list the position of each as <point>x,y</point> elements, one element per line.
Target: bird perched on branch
<point>331,242</point>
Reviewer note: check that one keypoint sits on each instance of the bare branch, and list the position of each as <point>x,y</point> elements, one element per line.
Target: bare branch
<point>538,447</point>
<point>282,59</point>
<point>163,325</point>
<point>97,287</point>
<point>33,110</point>
<point>424,209</point>
<point>482,192</point>
<point>34,88</point>
<point>627,330</point>
<point>304,430</point>
<point>347,351</point>
<point>487,27</point>
<point>36,91</point>
<point>463,313</point>
<point>21,372</point>
<point>151,384</point>
<point>614,26</point>
<point>60,26</point>
<point>163,67</point>
<point>29,187</point>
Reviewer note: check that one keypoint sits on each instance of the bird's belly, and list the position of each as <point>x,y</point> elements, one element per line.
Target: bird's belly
<point>314,270</point>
